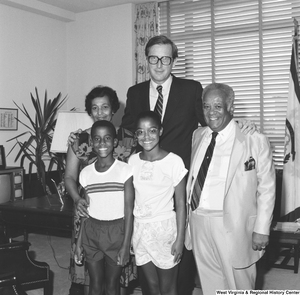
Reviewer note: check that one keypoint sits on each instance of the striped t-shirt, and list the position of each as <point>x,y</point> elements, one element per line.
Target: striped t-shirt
<point>105,190</point>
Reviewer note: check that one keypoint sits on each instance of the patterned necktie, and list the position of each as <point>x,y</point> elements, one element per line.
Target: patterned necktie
<point>159,103</point>
<point>202,172</point>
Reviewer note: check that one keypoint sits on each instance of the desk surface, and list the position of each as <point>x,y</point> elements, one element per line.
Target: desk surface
<point>43,213</point>
<point>46,204</point>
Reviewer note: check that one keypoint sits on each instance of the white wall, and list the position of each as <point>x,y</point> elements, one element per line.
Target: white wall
<point>100,52</point>
<point>32,54</point>
<point>72,58</point>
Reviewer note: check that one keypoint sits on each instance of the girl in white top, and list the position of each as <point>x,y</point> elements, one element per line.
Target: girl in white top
<point>158,235</point>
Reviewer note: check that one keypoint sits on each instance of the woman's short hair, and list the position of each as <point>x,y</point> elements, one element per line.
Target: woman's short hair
<point>100,91</point>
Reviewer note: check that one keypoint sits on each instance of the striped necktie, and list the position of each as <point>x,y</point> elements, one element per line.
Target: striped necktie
<point>159,103</point>
<point>199,182</point>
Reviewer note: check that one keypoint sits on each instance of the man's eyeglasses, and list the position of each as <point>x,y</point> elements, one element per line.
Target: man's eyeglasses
<point>165,60</point>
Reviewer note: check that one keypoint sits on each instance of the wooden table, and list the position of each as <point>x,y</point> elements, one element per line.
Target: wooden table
<point>44,214</point>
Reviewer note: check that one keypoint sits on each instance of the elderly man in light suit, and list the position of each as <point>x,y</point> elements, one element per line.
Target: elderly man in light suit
<point>231,208</point>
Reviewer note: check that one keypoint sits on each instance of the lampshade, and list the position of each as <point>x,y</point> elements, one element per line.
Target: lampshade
<point>67,122</point>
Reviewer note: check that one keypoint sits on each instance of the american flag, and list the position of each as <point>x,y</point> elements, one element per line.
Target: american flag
<point>290,199</point>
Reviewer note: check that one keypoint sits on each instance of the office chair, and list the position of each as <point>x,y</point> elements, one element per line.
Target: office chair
<point>31,274</point>
<point>9,285</point>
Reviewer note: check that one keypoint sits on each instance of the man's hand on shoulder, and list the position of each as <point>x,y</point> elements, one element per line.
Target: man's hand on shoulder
<point>248,126</point>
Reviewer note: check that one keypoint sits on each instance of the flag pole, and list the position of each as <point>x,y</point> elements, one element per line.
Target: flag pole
<point>296,37</point>
<point>296,26</point>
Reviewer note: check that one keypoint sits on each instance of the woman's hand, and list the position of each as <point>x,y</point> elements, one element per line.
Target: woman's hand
<point>72,137</point>
<point>81,206</point>
<point>78,255</point>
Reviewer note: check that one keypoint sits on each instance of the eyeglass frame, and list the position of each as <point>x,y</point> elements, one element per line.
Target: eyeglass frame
<point>146,132</point>
<point>159,59</point>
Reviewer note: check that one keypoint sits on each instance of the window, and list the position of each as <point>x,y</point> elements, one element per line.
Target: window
<point>244,43</point>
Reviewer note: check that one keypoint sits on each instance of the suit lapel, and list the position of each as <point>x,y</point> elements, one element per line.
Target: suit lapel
<point>173,99</point>
<point>237,152</point>
<point>195,151</point>
<point>145,100</point>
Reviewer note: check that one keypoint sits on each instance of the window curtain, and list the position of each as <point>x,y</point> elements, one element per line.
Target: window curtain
<point>146,27</point>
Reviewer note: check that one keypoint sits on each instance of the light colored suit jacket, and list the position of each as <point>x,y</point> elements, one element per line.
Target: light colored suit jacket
<point>249,194</point>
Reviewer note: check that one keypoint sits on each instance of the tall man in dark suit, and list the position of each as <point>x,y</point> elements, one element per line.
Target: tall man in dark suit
<point>180,103</point>
<point>180,98</point>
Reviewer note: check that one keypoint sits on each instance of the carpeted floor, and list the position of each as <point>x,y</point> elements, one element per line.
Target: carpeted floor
<point>56,252</point>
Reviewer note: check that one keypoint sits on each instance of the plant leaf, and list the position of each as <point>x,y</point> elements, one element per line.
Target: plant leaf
<point>40,131</point>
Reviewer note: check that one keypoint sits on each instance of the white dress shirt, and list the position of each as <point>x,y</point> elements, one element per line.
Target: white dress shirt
<point>165,92</point>
<point>212,195</point>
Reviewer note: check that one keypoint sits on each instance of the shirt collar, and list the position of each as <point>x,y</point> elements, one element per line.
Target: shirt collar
<point>225,133</point>
<point>166,85</point>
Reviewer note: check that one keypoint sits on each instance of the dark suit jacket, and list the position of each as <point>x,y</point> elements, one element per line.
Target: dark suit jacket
<point>183,112</point>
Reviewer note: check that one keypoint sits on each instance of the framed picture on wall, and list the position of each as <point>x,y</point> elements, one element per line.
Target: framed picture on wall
<point>8,119</point>
<point>2,158</point>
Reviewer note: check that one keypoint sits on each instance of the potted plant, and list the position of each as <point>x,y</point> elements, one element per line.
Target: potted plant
<point>36,148</point>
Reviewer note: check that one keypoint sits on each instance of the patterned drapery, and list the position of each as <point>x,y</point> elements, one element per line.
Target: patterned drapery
<point>146,27</point>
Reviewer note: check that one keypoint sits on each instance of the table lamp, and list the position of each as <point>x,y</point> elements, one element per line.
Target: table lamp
<point>67,122</point>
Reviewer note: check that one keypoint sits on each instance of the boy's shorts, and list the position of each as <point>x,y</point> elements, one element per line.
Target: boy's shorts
<point>102,239</point>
